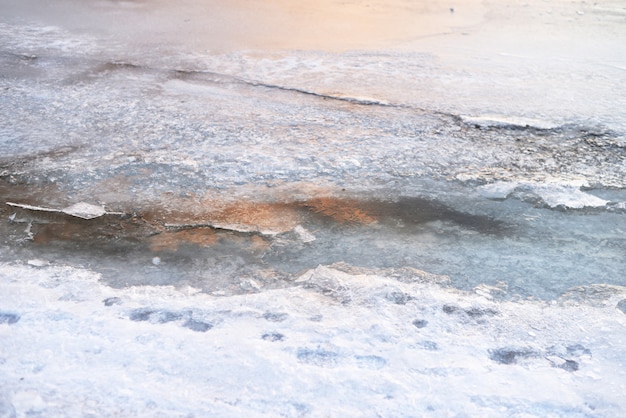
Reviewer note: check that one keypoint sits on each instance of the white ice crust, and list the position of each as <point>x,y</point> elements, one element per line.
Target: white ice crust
<point>553,194</point>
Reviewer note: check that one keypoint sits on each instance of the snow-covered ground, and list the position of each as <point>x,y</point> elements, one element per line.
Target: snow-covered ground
<point>400,208</point>
<point>340,343</point>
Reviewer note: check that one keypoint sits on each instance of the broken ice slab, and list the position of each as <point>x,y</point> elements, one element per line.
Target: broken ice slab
<point>79,210</point>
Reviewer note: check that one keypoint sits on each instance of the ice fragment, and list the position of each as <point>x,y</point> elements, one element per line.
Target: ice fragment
<point>36,262</point>
<point>84,210</point>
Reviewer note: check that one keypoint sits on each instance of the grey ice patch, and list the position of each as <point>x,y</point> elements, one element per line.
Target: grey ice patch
<point>9,318</point>
<point>273,336</point>
<point>154,315</point>
<point>510,355</point>
<point>399,298</point>
<point>450,309</point>
<point>112,301</point>
<point>318,357</point>
<point>160,316</point>
<point>420,323</point>
<point>275,316</point>
<point>569,365</point>
<point>198,326</point>
<point>480,312</point>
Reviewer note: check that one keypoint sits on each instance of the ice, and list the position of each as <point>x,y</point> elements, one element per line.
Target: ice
<point>325,208</point>
<point>570,197</point>
<point>552,194</point>
<point>36,262</point>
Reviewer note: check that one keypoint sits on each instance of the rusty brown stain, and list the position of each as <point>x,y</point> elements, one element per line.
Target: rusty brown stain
<point>170,241</point>
<point>341,210</point>
<point>279,217</point>
<point>66,228</point>
<point>271,210</point>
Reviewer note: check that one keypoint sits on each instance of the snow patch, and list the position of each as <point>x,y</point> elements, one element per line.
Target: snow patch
<point>359,341</point>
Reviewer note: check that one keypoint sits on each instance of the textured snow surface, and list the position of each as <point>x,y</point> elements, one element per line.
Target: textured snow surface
<point>342,343</point>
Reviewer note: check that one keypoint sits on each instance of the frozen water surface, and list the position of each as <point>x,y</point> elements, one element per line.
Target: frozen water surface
<point>402,208</point>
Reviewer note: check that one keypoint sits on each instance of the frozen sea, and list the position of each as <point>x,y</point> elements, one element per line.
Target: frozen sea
<point>273,208</point>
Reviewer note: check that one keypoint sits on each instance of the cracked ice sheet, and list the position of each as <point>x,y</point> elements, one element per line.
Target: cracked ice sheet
<point>341,343</point>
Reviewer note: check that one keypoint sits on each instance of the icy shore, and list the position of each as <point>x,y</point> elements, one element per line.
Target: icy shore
<point>420,213</point>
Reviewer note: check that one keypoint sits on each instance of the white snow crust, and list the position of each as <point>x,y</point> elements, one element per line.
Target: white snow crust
<point>341,343</point>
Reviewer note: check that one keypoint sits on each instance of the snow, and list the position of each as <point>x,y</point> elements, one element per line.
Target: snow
<point>341,342</point>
